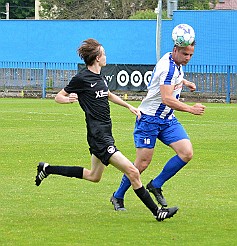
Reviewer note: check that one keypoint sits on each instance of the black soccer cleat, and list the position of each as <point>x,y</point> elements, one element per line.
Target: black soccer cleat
<point>157,193</point>
<point>166,213</point>
<point>118,203</point>
<point>41,174</point>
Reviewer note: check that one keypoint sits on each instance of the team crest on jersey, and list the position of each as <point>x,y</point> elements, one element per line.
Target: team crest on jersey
<point>111,149</point>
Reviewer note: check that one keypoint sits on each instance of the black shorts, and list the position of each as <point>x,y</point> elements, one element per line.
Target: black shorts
<point>100,140</point>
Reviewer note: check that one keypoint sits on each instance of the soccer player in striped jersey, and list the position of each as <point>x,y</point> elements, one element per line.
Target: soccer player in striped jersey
<point>159,122</point>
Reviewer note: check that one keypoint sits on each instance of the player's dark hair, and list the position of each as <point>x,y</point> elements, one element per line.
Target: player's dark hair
<point>89,50</point>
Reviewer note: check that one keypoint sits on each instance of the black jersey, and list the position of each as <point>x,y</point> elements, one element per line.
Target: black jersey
<point>92,91</point>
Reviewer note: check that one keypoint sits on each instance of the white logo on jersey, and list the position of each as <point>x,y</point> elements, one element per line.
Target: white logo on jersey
<point>92,85</point>
<point>101,94</point>
<point>111,149</point>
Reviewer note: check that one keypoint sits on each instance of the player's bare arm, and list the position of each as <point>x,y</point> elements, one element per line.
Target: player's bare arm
<point>64,97</point>
<point>117,100</point>
<point>172,102</point>
<point>190,85</point>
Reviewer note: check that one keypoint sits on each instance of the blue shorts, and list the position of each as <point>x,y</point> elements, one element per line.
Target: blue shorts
<point>149,128</point>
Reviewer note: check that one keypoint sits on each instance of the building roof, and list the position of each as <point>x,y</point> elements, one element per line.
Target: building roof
<point>226,4</point>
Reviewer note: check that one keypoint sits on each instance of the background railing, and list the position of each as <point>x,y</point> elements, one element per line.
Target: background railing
<point>212,79</point>
<point>47,76</point>
<point>40,76</point>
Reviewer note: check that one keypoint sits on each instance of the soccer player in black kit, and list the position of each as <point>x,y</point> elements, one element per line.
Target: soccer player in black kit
<point>90,88</point>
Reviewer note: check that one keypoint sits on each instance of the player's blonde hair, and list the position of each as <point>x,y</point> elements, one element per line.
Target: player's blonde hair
<point>179,47</point>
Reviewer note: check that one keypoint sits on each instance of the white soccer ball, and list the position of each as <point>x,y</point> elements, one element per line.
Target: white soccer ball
<point>183,35</point>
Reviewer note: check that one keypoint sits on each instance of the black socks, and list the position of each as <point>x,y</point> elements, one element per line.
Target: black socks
<point>144,195</point>
<point>73,171</point>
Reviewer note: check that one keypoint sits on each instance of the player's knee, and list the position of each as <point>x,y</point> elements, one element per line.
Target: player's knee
<point>142,164</point>
<point>133,174</point>
<point>188,155</point>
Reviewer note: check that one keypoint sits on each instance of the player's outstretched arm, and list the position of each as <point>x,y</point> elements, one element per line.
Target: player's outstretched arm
<point>117,100</point>
<point>64,97</point>
<point>198,109</point>
<point>172,102</point>
<point>190,85</point>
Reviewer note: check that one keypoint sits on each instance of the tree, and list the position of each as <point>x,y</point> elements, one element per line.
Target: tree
<point>19,9</point>
<point>73,9</point>
<point>148,15</point>
<point>110,9</point>
<point>90,9</point>
<point>144,14</point>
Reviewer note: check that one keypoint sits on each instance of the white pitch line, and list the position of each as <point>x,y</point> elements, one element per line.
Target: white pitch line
<point>40,113</point>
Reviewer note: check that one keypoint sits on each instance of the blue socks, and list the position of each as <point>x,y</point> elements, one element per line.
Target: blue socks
<point>124,185</point>
<point>169,170</point>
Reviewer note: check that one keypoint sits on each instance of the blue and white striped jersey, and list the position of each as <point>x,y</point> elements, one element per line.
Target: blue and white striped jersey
<point>166,72</point>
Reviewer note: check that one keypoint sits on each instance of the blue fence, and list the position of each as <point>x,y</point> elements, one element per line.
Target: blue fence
<point>220,80</point>
<point>47,76</point>
<point>39,76</point>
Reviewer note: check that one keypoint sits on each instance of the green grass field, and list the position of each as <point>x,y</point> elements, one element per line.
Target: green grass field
<point>67,211</point>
